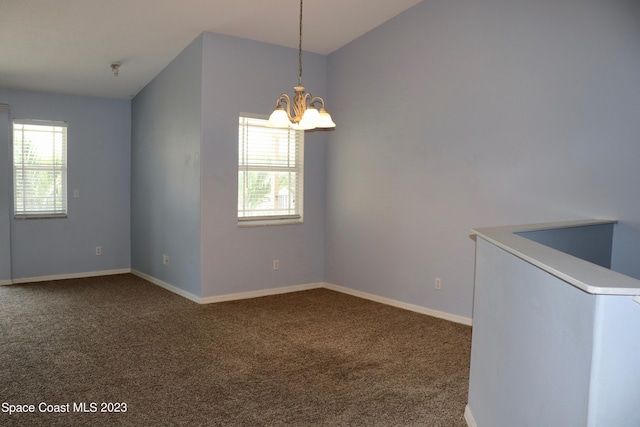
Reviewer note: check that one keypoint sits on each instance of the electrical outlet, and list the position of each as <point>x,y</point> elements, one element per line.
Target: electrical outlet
<point>165,259</point>
<point>276,264</point>
<point>98,250</point>
<point>438,283</point>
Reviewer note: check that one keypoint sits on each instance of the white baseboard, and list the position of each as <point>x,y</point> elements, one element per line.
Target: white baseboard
<point>250,294</point>
<point>305,287</point>
<point>468,416</point>
<point>67,276</point>
<point>261,293</point>
<point>226,297</point>
<point>337,288</point>
<point>411,307</point>
<point>167,286</point>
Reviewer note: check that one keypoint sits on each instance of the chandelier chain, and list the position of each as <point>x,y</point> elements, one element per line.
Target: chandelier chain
<point>300,49</point>
<point>303,111</point>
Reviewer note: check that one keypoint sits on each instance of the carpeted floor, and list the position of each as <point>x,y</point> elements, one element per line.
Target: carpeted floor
<point>312,358</point>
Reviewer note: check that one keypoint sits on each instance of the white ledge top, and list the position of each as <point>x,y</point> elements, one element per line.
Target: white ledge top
<point>582,274</point>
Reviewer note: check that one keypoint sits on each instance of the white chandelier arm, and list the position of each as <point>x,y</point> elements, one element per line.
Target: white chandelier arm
<point>317,99</point>
<point>284,102</point>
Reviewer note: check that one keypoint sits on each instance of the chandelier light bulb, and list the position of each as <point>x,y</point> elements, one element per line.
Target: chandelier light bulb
<point>310,118</point>
<point>279,118</point>
<point>324,119</point>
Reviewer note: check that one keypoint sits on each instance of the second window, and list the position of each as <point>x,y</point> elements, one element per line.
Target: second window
<point>270,173</point>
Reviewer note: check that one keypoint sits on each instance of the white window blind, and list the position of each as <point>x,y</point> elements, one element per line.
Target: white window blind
<point>270,172</point>
<point>39,168</point>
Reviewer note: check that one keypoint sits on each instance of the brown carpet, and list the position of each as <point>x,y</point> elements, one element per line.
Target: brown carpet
<point>312,358</point>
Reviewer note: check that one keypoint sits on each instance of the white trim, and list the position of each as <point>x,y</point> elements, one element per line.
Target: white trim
<point>395,303</point>
<point>261,293</point>
<point>167,286</point>
<point>305,287</point>
<point>227,297</point>
<point>38,122</point>
<point>68,276</point>
<point>587,276</point>
<point>468,416</point>
<point>251,294</point>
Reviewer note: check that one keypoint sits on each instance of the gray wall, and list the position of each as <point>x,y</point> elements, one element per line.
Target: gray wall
<point>591,243</point>
<point>531,356</point>
<point>625,257</point>
<point>98,144</point>
<point>614,391</point>
<point>184,171</point>
<point>5,197</point>
<point>462,113</point>
<point>246,76</point>
<point>453,115</point>
<point>611,246</point>
<point>546,353</point>
<point>165,165</point>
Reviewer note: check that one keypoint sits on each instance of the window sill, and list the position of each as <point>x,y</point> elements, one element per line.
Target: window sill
<point>268,222</point>
<point>44,216</point>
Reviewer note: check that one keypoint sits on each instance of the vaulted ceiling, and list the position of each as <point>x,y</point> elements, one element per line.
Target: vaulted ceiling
<point>67,46</point>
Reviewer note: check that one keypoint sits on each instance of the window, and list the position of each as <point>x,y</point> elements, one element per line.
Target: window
<point>39,169</point>
<point>270,173</point>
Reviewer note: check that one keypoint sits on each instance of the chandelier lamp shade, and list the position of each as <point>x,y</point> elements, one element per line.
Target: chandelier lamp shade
<point>304,112</point>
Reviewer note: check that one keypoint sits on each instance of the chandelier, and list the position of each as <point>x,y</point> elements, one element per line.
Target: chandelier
<point>305,114</point>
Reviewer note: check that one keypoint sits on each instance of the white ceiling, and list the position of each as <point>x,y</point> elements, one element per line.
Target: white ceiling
<point>67,46</point>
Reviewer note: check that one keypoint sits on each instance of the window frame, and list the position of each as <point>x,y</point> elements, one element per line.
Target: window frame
<point>245,166</point>
<point>21,210</point>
